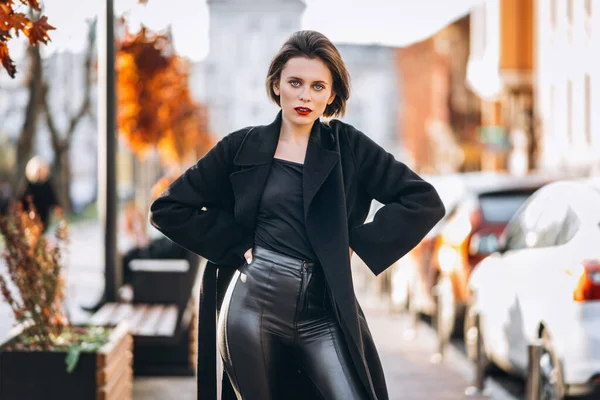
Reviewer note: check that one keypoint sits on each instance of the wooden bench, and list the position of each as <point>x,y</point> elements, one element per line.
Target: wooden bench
<point>143,319</point>
<point>162,316</point>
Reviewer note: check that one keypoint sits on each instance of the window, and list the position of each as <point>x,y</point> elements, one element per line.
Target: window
<point>520,232</point>
<point>588,108</point>
<point>501,207</point>
<point>552,109</point>
<point>515,235</point>
<point>570,110</point>
<point>550,223</point>
<point>286,24</point>
<point>484,36</point>
<point>253,23</point>
<point>569,227</point>
<point>588,8</point>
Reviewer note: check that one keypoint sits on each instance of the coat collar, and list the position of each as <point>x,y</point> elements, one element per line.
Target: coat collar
<point>260,143</point>
<point>258,149</point>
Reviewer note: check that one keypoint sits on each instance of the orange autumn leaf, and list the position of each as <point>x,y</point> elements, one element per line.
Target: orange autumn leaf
<point>38,32</point>
<point>19,22</point>
<point>13,23</point>
<point>7,62</point>
<point>32,3</point>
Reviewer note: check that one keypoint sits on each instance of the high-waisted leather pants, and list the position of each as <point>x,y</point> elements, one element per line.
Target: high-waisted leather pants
<point>278,302</point>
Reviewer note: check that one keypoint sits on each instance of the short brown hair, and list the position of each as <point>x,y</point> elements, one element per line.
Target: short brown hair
<point>311,44</point>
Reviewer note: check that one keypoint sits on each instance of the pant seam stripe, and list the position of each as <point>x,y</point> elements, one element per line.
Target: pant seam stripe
<point>337,350</point>
<point>226,328</point>
<point>262,346</point>
<point>298,305</point>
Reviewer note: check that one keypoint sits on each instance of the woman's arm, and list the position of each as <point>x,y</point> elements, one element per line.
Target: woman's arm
<point>196,210</point>
<point>412,206</point>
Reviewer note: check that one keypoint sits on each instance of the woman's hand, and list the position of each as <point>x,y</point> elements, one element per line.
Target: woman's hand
<point>248,255</point>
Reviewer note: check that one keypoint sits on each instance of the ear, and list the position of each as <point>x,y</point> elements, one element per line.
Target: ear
<point>331,99</point>
<point>276,88</point>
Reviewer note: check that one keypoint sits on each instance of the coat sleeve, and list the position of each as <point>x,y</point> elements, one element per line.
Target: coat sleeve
<point>196,210</point>
<point>411,205</point>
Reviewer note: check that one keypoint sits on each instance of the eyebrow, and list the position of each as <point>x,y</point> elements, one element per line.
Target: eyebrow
<point>300,79</point>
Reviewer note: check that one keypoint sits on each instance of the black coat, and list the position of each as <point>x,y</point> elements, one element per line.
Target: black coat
<point>211,210</point>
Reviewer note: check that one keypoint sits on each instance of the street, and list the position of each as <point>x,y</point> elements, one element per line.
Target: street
<point>407,355</point>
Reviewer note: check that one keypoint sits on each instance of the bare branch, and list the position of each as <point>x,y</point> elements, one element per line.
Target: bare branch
<point>87,81</point>
<point>54,135</point>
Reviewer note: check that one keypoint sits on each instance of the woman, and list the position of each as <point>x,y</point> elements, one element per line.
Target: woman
<point>38,188</point>
<point>283,207</point>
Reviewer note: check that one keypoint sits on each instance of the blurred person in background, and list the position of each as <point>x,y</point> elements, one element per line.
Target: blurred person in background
<point>38,187</point>
<point>279,209</point>
<point>5,194</point>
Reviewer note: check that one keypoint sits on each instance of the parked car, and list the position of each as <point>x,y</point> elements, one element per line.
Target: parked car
<point>478,205</point>
<point>543,283</point>
<point>409,278</point>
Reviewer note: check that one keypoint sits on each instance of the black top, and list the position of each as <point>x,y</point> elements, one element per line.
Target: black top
<point>43,199</point>
<point>280,219</point>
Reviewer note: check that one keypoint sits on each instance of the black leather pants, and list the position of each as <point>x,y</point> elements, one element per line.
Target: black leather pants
<point>279,303</point>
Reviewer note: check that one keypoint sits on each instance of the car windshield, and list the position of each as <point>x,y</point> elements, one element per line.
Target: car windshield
<point>500,207</point>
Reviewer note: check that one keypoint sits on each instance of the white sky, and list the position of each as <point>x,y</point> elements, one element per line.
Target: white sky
<point>392,22</point>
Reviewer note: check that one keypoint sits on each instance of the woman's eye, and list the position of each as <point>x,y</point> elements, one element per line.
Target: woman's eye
<point>295,83</point>
<point>318,87</point>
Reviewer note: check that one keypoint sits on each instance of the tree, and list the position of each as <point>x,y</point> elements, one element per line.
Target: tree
<point>30,122</point>
<point>35,27</point>
<point>14,23</point>
<point>62,139</point>
<point>156,109</point>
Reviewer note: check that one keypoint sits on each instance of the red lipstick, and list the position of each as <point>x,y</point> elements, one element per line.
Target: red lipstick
<point>303,110</point>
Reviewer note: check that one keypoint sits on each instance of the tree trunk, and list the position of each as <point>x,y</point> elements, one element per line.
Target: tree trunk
<point>61,139</point>
<point>62,177</point>
<point>27,136</point>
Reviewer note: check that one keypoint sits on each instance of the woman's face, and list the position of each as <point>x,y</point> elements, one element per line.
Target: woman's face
<point>305,89</point>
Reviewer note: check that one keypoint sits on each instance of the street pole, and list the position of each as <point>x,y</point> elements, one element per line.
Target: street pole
<point>478,388</point>
<point>107,178</point>
<point>533,389</point>
<point>439,326</point>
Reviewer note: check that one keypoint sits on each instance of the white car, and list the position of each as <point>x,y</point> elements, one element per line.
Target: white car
<point>543,283</point>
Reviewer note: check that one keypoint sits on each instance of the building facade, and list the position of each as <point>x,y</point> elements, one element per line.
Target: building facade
<point>438,113</point>
<point>568,84</point>
<point>374,96</point>
<point>244,35</point>
<point>501,71</point>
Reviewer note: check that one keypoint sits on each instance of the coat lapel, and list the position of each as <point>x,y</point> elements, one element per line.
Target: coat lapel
<point>321,157</point>
<point>253,164</point>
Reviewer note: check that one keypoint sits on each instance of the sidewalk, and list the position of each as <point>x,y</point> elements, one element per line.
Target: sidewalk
<point>410,374</point>
<point>407,361</point>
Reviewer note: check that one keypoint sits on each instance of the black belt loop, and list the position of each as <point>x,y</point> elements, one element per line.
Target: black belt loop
<point>309,265</point>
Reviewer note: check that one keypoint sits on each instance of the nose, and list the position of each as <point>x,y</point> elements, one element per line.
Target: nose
<point>305,95</point>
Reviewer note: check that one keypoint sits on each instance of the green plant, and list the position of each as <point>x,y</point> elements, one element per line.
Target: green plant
<point>35,265</point>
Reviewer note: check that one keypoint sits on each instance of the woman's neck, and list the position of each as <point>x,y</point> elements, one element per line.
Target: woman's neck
<point>293,133</point>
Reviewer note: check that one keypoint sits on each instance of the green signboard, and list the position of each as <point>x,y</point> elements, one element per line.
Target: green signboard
<point>494,137</point>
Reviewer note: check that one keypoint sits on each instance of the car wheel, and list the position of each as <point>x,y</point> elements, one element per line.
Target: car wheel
<point>445,318</point>
<point>552,383</point>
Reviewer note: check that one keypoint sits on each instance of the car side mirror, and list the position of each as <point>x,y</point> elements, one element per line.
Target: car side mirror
<point>484,244</point>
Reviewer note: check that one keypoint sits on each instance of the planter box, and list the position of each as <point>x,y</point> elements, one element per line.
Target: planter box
<point>41,375</point>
